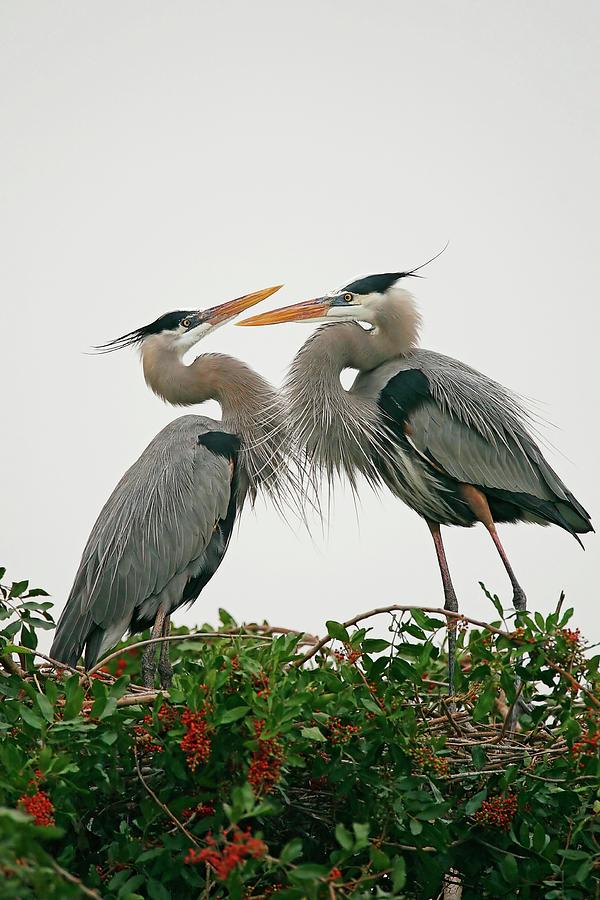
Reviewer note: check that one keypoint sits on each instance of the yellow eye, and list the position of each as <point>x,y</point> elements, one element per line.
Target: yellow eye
<point>348,298</point>
<point>186,323</point>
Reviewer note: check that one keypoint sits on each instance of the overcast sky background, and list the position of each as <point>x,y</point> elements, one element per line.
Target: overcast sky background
<point>158,156</point>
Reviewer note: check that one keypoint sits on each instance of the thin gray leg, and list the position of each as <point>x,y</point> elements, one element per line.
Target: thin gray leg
<point>450,601</point>
<point>165,669</point>
<point>519,598</point>
<point>149,655</point>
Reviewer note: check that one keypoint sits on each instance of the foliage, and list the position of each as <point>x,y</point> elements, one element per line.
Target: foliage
<point>346,775</point>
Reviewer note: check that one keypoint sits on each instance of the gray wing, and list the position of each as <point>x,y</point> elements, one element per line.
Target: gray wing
<point>150,537</point>
<point>476,430</point>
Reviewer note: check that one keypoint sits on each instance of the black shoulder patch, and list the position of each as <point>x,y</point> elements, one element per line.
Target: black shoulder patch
<point>221,443</point>
<point>404,393</point>
<point>377,284</point>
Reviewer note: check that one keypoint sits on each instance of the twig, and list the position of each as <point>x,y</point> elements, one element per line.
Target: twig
<point>133,699</point>
<point>162,805</point>
<point>396,608</point>
<point>89,892</point>
<point>575,683</point>
<point>13,668</point>
<point>508,717</point>
<point>204,635</point>
<point>450,718</point>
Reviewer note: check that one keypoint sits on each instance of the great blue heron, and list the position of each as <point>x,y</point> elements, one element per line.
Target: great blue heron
<point>448,441</point>
<point>165,528</point>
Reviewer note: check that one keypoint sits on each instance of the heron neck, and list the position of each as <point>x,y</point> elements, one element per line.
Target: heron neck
<point>238,390</point>
<point>337,428</point>
<point>250,407</point>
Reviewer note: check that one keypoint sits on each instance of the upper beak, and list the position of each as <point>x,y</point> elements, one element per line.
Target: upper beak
<point>308,309</point>
<point>220,314</point>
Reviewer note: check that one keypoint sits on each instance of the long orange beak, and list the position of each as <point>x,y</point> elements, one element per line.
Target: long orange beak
<point>225,311</point>
<point>308,309</point>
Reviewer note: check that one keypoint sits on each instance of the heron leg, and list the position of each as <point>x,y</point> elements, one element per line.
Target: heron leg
<point>450,601</point>
<point>477,501</point>
<point>165,669</point>
<point>149,655</point>
<point>479,505</point>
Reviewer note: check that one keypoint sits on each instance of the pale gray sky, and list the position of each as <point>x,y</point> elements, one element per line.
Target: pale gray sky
<point>157,156</point>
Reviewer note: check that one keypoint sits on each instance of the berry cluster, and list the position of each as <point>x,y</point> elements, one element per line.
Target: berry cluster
<point>267,891</point>
<point>202,809</point>
<point>339,733</point>
<point>265,765</point>
<point>587,745</point>
<point>121,666</point>
<point>195,742</point>
<point>223,859</point>
<point>39,807</point>
<point>348,655</point>
<point>498,811</point>
<point>261,683</point>
<point>167,717</point>
<point>427,761</point>
<point>334,873</point>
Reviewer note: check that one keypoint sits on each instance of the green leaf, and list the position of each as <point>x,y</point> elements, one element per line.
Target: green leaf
<point>291,851</point>
<point>361,833</point>
<point>573,854</point>
<point>227,620</point>
<point>231,715</point>
<point>509,868</point>
<point>475,802</point>
<point>415,826</point>
<point>156,891</point>
<point>313,734</point>
<point>343,837</point>
<point>30,717</point>
<point>45,707</point>
<point>308,872</point>
<point>375,645</point>
<point>539,838</point>
<point>109,708</point>
<point>485,703</point>
<point>493,598</point>
<point>379,859</point>
<point>372,706</point>
<point>398,874</point>
<point>18,588</point>
<point>425,622</point>
<point>336,630</point>
<point>74,697</point>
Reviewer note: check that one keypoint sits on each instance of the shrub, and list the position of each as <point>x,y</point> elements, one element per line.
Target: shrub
<point>264,772</point>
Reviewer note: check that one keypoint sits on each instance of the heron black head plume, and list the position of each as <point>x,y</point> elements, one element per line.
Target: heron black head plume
<point>168,322</point>
<point>381,283</point>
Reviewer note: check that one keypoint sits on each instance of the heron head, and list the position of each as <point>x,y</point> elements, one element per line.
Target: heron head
<point>181,329</point>
<point>362,300</point>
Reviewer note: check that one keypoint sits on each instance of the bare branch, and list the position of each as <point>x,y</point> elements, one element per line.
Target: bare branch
<point>162,805</point>
<point>397,608</point>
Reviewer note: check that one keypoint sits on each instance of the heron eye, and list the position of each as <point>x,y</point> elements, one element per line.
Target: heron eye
<point>186,323</point>
<point>348,298</point>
